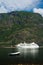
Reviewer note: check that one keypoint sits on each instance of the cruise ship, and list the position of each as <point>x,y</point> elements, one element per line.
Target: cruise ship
<point>29,45</point>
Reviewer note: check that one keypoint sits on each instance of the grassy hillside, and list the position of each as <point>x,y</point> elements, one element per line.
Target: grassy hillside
<point>16,27</point>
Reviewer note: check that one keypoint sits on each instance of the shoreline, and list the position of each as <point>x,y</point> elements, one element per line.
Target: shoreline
<point>7,47</point>
<point>15,47</point>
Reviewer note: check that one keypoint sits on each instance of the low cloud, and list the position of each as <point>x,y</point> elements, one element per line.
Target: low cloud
<point>38,10</point>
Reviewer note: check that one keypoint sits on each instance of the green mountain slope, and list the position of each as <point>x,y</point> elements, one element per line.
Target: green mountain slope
<point>16,27</point>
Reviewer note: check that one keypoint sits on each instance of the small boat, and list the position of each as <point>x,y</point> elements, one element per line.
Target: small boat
<point>12,54</point>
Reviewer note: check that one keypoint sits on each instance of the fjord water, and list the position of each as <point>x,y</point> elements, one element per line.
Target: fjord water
<point>26,56</point>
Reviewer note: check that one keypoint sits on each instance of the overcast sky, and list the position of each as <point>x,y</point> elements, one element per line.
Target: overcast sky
<point>35,6</point>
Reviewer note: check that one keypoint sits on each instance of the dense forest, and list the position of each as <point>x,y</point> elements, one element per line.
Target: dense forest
<point>16,27</point>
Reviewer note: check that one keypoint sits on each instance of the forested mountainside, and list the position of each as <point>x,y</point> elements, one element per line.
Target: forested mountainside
<point>16,27</point>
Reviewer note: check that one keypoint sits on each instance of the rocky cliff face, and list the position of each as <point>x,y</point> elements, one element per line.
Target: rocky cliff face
<point>20,26</point>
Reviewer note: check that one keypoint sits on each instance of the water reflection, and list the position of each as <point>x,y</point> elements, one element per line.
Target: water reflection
<point>29,52</point>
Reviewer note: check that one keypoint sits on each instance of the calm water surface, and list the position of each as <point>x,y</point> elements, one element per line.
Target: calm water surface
<point>26,55</point>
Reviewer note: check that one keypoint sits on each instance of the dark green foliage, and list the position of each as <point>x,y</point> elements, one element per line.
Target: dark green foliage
<point>16,27</point>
